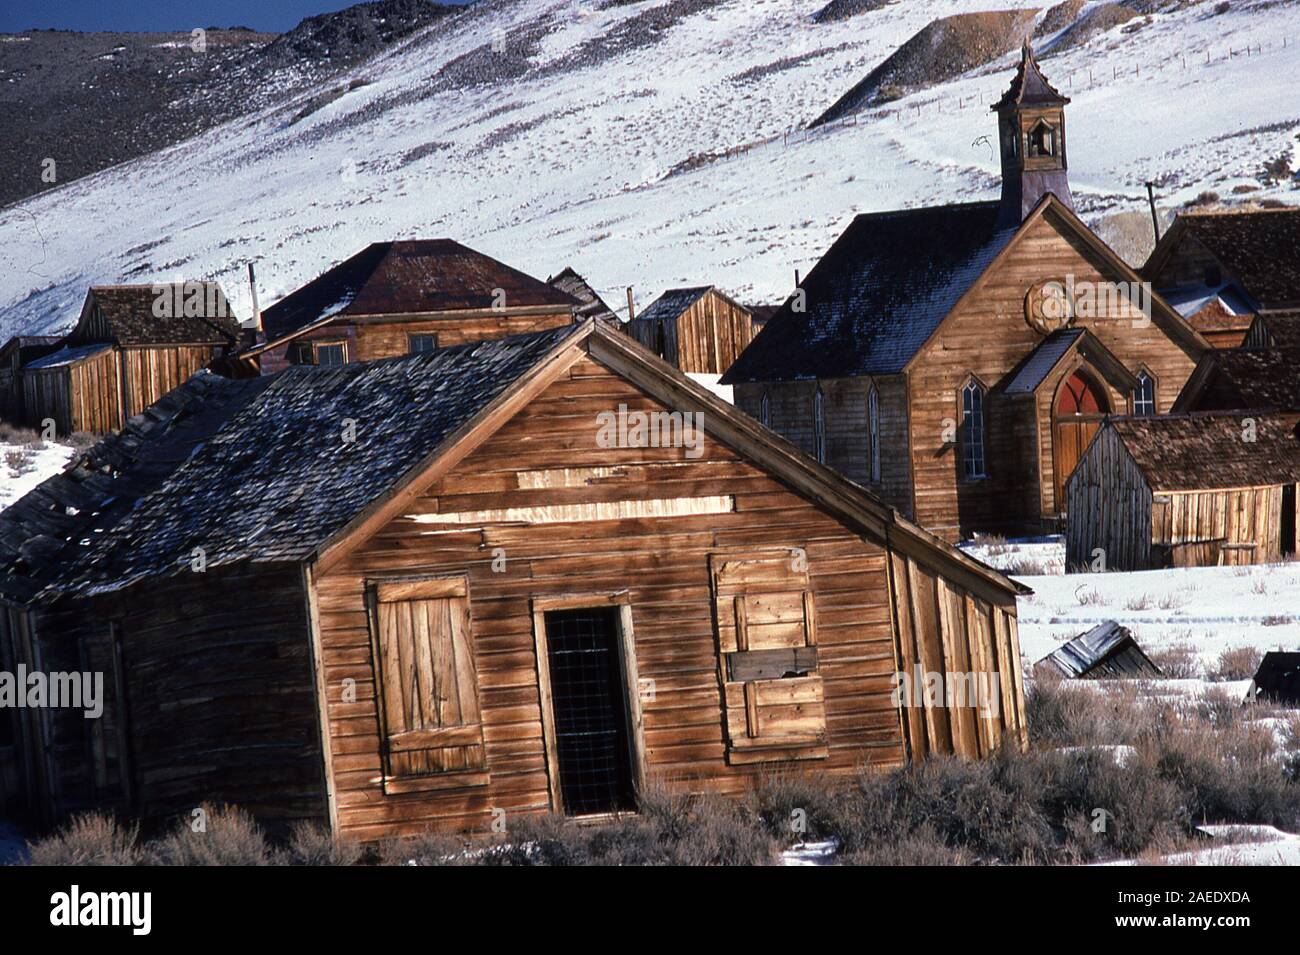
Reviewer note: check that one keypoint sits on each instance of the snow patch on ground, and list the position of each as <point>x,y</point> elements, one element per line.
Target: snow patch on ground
<point>44,462</point>
<point>1250,845</point>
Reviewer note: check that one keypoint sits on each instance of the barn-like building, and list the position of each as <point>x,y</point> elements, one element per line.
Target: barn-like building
<point>400,298</point>
<point>1185,490</point>
<point>957,359</point>
<point>520,575</point>
<point>699,330</point>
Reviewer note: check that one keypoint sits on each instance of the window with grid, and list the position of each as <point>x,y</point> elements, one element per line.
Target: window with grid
<point>1144,395</point>
<point>972,430</point>
<point>331,353</point>
<point>427,677</point>
<point>422,343</point>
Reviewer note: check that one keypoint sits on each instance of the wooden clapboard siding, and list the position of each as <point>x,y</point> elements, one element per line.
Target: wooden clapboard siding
<point>1246,523</point>
<point>536,460</point>
<point>82,396</point>
<point>987,336</point>
<point>706,338</point>
<point>148,373</point>
<point>370,338</point>
<point>218,678</point>
<point>944,629</point>
<point>1109,509</point>
<point>790,407</point>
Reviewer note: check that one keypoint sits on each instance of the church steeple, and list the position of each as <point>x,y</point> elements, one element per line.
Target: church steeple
<point>1031,141</point>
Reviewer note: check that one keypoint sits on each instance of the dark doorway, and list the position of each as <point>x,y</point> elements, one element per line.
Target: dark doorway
<point>590,710</point>
<point>1288,519</point>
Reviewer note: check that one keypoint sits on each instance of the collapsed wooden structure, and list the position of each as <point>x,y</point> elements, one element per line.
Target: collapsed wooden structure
<point>1185,491</point>
<point>380,595</point>
<point>1106,652</point>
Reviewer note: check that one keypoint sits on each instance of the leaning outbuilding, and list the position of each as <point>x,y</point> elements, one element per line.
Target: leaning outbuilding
<point>1107,651</point>
<point>1277,680</point>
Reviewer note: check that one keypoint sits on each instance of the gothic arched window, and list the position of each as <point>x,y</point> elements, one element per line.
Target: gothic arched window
<point>972,430</point>
<point>873,434</point>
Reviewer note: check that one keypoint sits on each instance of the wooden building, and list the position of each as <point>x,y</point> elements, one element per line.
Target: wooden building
<point>698,330</point>
<point>399,298</point>
<point>441,560</point>
<point>1106,652</point>
<point>14,354</point>
<point>1222,268</point>
<point>956,359</point>
<point>1185,491</point>
<point>131,345</point>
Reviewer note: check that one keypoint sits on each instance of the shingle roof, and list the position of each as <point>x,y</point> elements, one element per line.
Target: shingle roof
<point>1106,650</point>
<point>877,295</point>
<point>575,286</point>
<point>129,312</point>
<point>1208,450</point>
<point>1042,360</point>
<point>672,303</point>
<point>67,355</point>
<point>1254,378</point>
<point>278,479</point>
<point>416,276</point>
<point>1283,329</point>
<point>48,531</point>
<point>1258,248</point>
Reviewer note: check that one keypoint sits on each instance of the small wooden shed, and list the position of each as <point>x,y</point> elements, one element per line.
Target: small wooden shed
<point>459,594</point>
<point>14,354</point>
<point>1106,652</point>
<point>131,345</point>
<point>1185,490</point>
<point>698,330</point>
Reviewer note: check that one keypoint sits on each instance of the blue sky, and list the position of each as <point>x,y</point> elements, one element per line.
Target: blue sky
<point>273,16</point>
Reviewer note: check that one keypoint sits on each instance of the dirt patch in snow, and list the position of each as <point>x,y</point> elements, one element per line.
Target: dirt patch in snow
<point>943,49</point>
<point>843,9</point>
<point>1098,19</point>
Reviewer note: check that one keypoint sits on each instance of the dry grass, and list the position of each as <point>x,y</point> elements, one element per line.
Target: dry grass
<point>1177,661</point>
<point>1236,663</point>
<point>91,839</point>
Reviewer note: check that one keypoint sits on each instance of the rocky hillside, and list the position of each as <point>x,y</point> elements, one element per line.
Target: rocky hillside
<point>88,101</point>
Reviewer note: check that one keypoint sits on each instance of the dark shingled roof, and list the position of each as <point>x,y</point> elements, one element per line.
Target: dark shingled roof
<point>278,479</point>
<point>49,531</point>
<point>575,286</point>
<point>1257,248</point>
<point>1042,360</point>
<point>877,295</point>
<point>1107,650</point>
<point>128,311</point>
<point>1283,329</point>
<point>415,276</point>
<point>1208,450</point>
<point>1029,87</point>
<point>672,303</point>
<point>1254,378</point>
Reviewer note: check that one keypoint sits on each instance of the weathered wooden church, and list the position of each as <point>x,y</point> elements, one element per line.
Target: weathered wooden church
<point>958,359</point>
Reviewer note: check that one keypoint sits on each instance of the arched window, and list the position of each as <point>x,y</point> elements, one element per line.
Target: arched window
<point>972,430</point>
<point>765,412</point>
<point>873,434</point>
<point>819,426</point>
<point>1144,395</point>
<point>1042,140</point>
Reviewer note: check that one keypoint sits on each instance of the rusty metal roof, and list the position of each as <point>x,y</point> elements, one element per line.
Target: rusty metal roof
<point>410,277</point>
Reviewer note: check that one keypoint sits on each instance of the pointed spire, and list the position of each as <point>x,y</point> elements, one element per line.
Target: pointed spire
<point>1029,87</point>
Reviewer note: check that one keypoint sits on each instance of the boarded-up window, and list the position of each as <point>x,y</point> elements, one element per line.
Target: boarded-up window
<point>428,681</point>
<point>767,638</point>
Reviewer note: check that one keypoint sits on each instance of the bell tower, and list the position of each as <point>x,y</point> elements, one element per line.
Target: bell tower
<point>1031,141</point>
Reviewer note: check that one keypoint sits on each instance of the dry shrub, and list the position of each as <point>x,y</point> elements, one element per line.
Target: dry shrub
<point>796,807</point>
<point>1177,661</point>
<point>1063,712</point>
<point>1237,663</point>
<point>229,837</point>
<point>90,839</point>
<point>426,849</point>
<point>311,844</point>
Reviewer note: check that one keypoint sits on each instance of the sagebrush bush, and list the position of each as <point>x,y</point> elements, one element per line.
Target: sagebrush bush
<point>311,844</point>
<point>90,839</point>
<point>1237,663</point>
<point>229,836</point>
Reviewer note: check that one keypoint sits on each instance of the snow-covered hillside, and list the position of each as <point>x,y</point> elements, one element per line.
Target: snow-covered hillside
<point>646,144</point>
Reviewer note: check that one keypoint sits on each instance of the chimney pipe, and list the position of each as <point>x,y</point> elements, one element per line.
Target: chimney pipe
<point>631,306</point>
<point>1151,201</point>
<point>252,288</point>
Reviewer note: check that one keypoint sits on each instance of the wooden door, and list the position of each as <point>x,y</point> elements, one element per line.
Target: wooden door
<point>1080,406</point>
